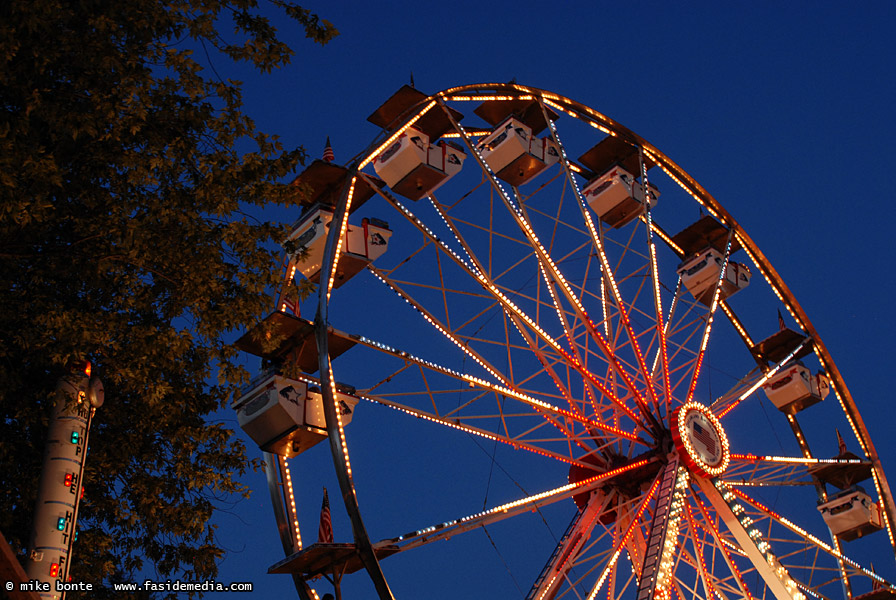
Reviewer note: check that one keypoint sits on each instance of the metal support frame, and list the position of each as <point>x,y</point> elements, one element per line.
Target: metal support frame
<point>776,577</point>
<point>274,466</point>
<point>335,433</point>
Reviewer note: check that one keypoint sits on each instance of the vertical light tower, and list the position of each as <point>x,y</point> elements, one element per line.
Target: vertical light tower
<point>78,395</point>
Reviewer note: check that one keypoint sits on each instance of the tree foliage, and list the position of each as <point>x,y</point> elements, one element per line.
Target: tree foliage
<point>127,237</point>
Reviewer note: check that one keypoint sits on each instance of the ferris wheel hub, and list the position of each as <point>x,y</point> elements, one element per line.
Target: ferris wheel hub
<point>700,439</point>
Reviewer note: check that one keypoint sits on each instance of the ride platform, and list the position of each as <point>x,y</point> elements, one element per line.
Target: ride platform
<point>280,336</point>
<point>613,151</point>
<point>705,233</point>
<point>777,346</point>
<point>527,112</point>
<point>324,181</point>
<point>324,559</point>
<point>881,593</point>
<point>435,123</point>
<point>843,475</point>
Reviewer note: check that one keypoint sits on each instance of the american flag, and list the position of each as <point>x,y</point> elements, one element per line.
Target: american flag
<point>781,324</point>
<point>702,436</point>
<point>328,152</point>
<point>289,303</point>
<point>325,531</point>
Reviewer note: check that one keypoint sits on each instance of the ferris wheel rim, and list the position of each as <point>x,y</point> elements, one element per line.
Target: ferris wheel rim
<point>579,111</point>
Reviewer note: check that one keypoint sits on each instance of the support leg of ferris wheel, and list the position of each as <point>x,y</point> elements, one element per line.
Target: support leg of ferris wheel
<point>661,542</point>
<point>776,577</point>
<point>577,534</point>
<point>281,499</point>
<point>335,432</point>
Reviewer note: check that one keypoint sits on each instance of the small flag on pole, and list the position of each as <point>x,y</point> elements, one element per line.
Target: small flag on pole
<point>781,324</point>
<point>325,531</point>
<point>328,152</point>
<point>841,445</point>
<point>290,304</point>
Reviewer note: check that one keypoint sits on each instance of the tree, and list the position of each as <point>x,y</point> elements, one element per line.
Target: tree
<point>127,237</point>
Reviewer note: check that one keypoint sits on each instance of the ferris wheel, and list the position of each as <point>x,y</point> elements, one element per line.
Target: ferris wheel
<point>536,334</point>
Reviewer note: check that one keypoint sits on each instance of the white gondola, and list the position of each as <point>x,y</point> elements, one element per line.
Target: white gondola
<point>360,245</point>
<point>617,197</point>
<point>414,168</point>
<point>795,388</point>
<point>700,273</point>
<point>514,154</point>
<point>285,416</point>
<point>851,514</point>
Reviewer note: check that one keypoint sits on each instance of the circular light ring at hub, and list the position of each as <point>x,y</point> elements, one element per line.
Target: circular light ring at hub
<point>700,439</point>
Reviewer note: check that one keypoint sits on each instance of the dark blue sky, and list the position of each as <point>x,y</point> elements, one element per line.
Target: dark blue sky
<point>782,112</point>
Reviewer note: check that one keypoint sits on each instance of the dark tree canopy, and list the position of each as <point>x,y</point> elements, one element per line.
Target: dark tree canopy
<point>127,237</point>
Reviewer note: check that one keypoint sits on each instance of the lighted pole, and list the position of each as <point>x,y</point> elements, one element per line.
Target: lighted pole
<point>56,513</point>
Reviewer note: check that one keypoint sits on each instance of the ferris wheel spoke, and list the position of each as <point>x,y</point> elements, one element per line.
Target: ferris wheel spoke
<point>454,527</point>
<point>748,470</point>
<point>442,328</point>
<point>465,347</point>
<point>658,301</point>
<point>514,442</point>
<point>548,368</point>
<point>700,551</point>
<point>596,558</point>
<point>665,336</point>
<point>746,531</point>
<point>553,276</point>
<point>571,340</point>
<point>594,553</point>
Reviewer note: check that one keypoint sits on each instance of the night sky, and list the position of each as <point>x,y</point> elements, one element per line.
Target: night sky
<point>783,113</point>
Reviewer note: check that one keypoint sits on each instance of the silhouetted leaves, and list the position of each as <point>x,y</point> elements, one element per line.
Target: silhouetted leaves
<point>125,238</point>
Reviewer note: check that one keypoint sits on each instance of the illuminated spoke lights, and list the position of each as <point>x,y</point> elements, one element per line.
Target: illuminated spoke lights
<point>704,511</point>
<point>499,389</point>
<point>655,277</point>
<point>454,424</point>
<point>701,558</point>
<point>528,503</point>
<point>512,309</point>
